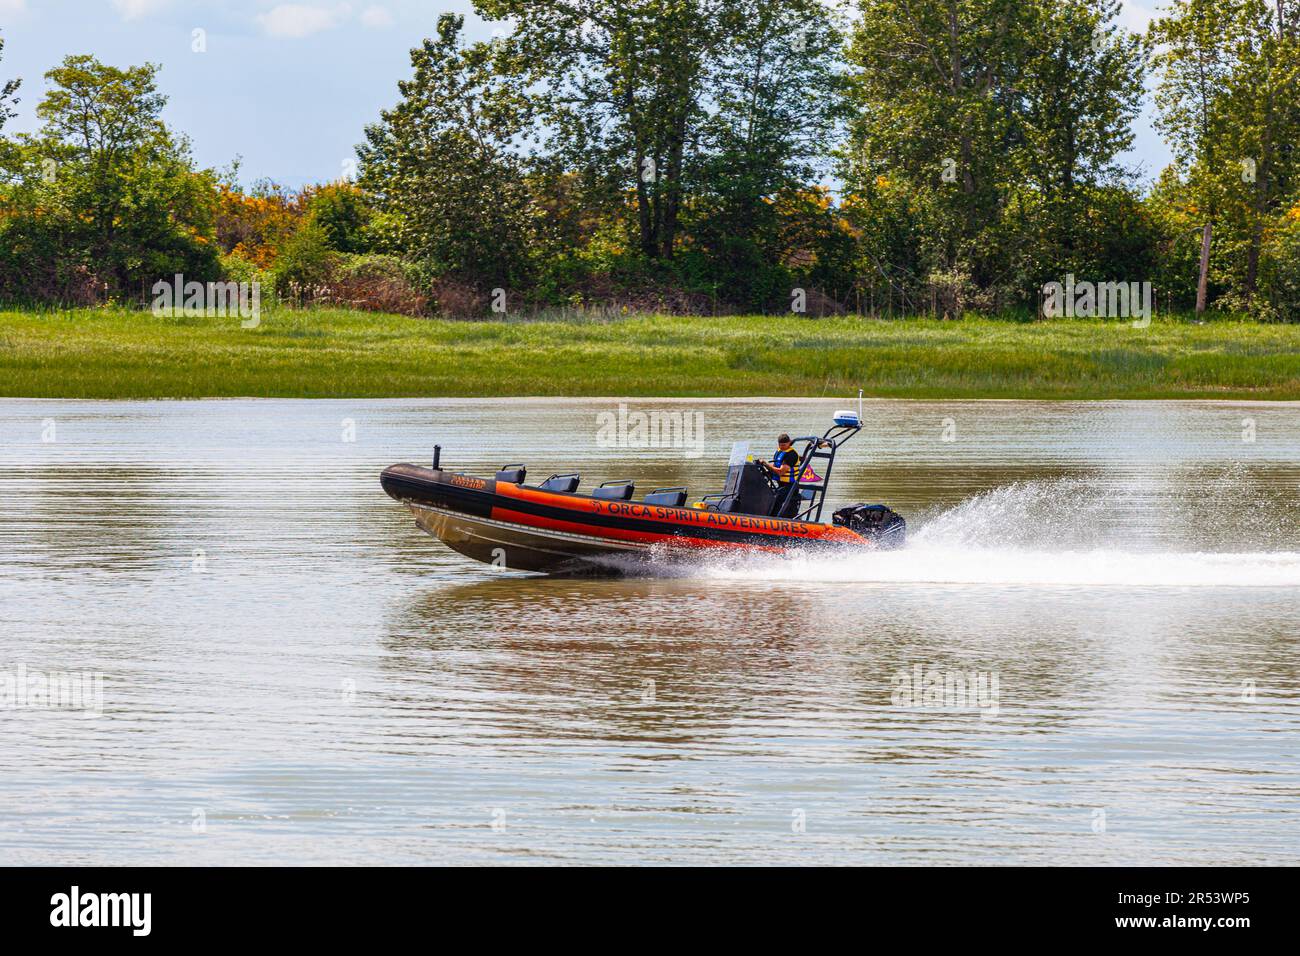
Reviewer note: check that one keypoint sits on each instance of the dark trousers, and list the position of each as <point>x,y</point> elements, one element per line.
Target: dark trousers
<point>788,508</point>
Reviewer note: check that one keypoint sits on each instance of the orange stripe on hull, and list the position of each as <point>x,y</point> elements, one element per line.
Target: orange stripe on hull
<point>622,534</point>
<point>666,524</point>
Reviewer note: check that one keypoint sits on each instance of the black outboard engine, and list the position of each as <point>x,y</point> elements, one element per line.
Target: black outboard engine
<point>873,522</point>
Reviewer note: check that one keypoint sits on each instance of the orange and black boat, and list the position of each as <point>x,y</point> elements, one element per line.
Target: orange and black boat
<point>550,527</point>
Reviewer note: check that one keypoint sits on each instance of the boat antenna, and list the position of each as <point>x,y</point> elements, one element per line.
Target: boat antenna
<point>859,404</point>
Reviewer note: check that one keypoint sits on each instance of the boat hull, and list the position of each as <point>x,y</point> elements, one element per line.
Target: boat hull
<point>518,547</point>
<point>513,526</point>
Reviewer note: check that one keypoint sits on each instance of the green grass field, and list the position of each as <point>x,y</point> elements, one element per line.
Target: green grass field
<point>333,353</point>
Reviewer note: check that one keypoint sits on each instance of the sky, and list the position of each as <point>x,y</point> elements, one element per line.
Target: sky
<point>286,87</point>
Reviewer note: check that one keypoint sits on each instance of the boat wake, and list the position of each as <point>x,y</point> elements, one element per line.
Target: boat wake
<point>1073,532</point>
<point>919,564</point>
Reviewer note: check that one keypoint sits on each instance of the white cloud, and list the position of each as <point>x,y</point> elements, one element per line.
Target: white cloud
<point>377,18</point>
<point>300,19</point>
<point>135,9</point>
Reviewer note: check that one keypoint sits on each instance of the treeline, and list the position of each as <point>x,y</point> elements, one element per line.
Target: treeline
<point>715,156</point>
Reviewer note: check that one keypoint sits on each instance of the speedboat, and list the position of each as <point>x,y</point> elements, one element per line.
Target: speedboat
<point>550,527</point>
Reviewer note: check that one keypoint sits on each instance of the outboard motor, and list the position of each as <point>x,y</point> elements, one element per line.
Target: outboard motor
<point>874,522</point>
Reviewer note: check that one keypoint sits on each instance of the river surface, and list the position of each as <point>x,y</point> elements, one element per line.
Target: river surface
<point>1089,652</point>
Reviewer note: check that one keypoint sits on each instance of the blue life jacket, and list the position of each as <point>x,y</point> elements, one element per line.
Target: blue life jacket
<point>778,459</point>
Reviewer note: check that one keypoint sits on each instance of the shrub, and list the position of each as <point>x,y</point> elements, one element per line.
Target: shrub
<point>378,284</point>
<point>257,223</point>
<point>458,300</point>
<point>1280,271</point>
<point>236,268</point>
<point>341,210</point>
<point>305,264</point>
<point>37,267</point>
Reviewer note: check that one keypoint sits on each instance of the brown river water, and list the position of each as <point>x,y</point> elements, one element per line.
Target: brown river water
<point>1088,653</point>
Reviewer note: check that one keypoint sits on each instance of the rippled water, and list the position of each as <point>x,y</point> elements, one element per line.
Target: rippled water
<point>294,673</point>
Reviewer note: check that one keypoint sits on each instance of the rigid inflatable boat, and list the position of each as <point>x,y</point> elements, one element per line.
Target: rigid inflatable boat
<point>551,527</point>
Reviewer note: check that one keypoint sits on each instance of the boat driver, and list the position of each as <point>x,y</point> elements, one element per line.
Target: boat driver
<point>785,463</point>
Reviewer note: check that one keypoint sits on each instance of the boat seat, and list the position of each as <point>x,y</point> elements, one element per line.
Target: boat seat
<point>670,497</point>
<point>614,490</point>
<point>512,473</point>
<point>566,484</point>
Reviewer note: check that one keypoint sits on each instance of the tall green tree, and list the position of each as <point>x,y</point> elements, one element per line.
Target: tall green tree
<point>8,99</point>
<point>105,186</point>
<point>684,122</point>
<point>1000,119</point>
<point>773,102</point>
<point>444,166</point>
<point>8,89</point>
<point>934,110</point>
<point>623,82</point>
<point>1264,98</point>
<point>1073,102</point>
<point>1077,95</point>
<point>1229,103</point>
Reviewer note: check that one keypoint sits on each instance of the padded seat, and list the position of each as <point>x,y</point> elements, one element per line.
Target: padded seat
<point>512,473</point>
<point>566,484</point>
<point>668,497</point>
<point>615,490</point>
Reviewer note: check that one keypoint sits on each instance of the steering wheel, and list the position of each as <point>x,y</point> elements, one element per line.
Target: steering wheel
<point>772,481</point>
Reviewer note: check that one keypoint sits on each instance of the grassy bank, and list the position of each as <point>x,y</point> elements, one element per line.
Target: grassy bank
<point>332,353</point>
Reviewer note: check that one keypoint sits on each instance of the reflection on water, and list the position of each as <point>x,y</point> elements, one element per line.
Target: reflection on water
<point>294,673</point>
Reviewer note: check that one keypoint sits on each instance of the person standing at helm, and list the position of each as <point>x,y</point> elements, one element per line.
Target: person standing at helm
<point>785,463</point>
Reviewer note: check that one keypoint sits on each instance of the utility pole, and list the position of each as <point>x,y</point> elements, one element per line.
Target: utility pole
<point>1205,270</point>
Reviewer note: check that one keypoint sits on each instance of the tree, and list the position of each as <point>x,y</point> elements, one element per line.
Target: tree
<point>1078,94</point>
<point>622,84</point>
<point>1075,97</point>
<point>443,167</point>
<point>341,210</point>
<point>680,123</point>
<point>7,90</point>
<point>934,109</point>
<point>105,188</point>
<point>8,99</point>
<point>305,263</point>
<point>773,101</point>
<point>1001,119</point>
<point>1229,101</point>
